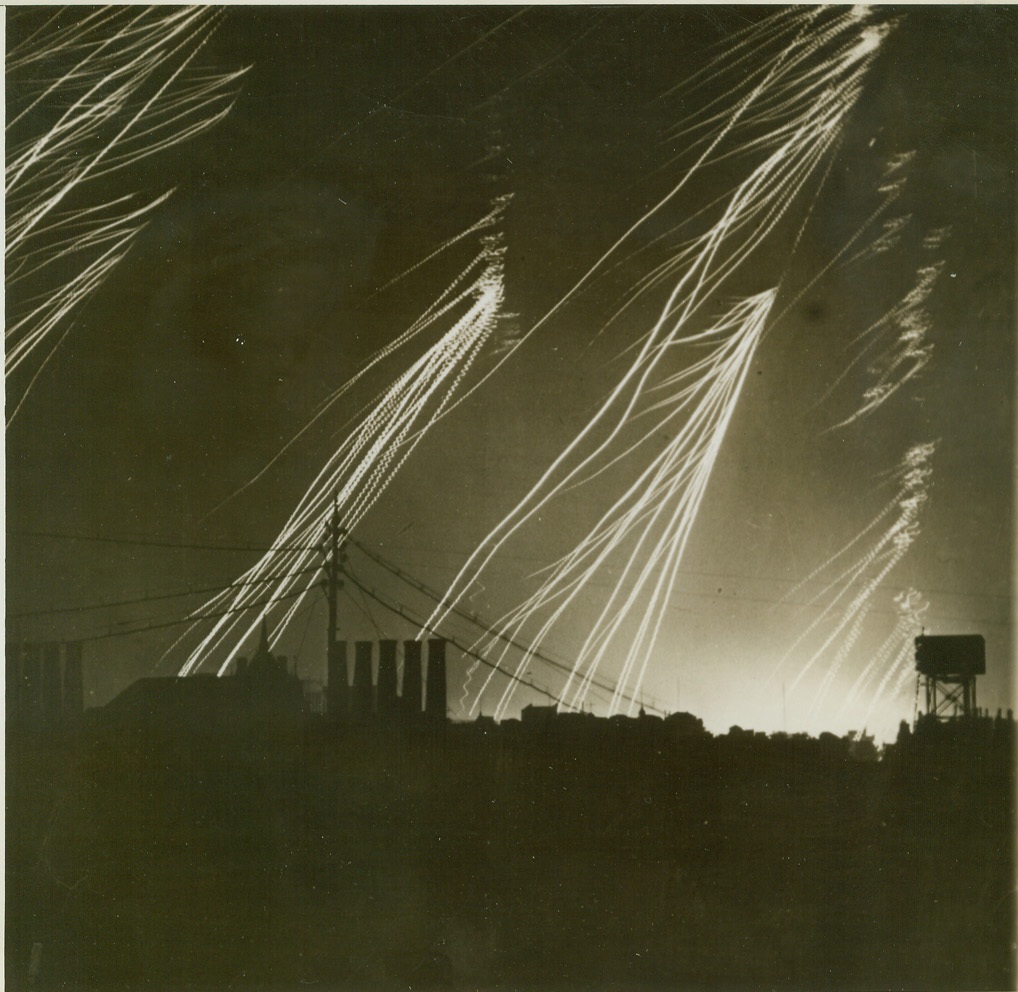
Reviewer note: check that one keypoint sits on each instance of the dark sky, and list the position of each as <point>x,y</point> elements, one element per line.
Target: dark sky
<point>362,138</point>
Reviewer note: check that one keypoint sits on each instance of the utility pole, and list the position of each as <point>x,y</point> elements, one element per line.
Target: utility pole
<point>334,548</point>
<point>332,572</point>
<point>335,557</point>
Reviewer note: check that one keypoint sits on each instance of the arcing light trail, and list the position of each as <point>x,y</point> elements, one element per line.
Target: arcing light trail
<point>851,576</point>
<point>789,115</point>
<point>663,501</point>
<point>127,88</point>
<point>804,126</point>
<point>901,337</point>
<point>370,456</point>
<point>894,657</point>
<point>473,620</point>
<point>895,176</point>
<point>460,289</point>
<point>790,111</point>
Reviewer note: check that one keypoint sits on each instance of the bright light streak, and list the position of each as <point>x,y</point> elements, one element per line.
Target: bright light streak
<point>786,91</point>
<point>898,349</point>
<point>126,88</point>
<point>793,105</point>
<point>850,578</point>
<point>889,237</point>
<point>893,657</point>
<point>460,289</point>
<point>659,507</point>
<point>465,315</point>
<point>900,338</point>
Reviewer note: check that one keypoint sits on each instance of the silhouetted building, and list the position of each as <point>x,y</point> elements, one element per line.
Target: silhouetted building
<point>435,703</point>
<point>684,725</point>
<point>266,685</point>
<point>195,701</point>
<point>337,690</point>
<point>538,716</point>
<point>861,746</point>
<point>375,689</point>
<point>314,697</point>
<point>261,688</point>
<point>362,689</point>
<point>44,681</point>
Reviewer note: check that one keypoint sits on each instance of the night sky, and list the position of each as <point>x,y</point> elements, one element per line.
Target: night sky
<point>364,137</point>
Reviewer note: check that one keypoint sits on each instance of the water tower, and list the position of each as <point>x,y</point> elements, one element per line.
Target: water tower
<point>949,665</point>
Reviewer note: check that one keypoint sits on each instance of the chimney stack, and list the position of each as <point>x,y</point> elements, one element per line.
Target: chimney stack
<point>412,678</point>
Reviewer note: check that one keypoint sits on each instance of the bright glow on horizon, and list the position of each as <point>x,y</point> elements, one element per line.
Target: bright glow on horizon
<point>790,107</point>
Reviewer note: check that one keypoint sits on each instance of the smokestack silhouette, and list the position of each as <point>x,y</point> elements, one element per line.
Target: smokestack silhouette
<point>363,651</point>
<point>412,678</point>
<point>435,701</point>
<point>387,701</point>
<point>337,700</point>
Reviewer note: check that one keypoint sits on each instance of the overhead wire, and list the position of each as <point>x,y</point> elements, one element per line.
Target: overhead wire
<point>190,619</point>
<point>112,604</point>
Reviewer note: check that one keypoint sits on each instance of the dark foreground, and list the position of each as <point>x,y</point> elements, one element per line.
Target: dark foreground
<point>583,855</point>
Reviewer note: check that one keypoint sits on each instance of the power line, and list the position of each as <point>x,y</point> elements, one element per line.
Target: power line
<point>363,605</point>
<point>397,608</point>
<point>476,620</point>
<point>459,554</point>
<point>599,683</point>
<point>262,549</point>
<point>770,601</point>
<point>192,619</point>
<point>311,612</point>
<point>388,566</point>
<point>169,595</point>
<point>365,612</point>
<point>146,542</point>
<point>400,611</point>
